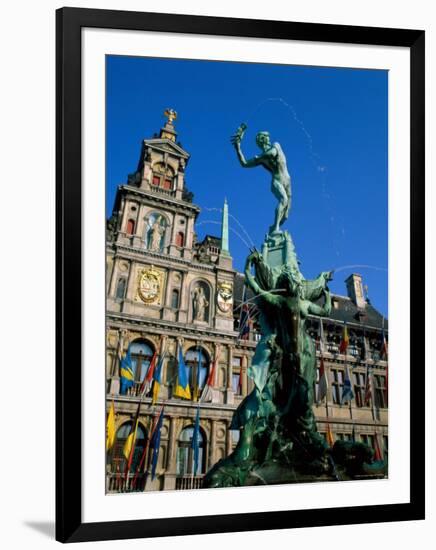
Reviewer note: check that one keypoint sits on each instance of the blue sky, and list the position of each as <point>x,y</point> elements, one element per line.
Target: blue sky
<point>331,123</point>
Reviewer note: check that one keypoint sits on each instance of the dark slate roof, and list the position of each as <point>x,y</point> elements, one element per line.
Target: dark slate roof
<point>211,240</point>
<point>346,311</point>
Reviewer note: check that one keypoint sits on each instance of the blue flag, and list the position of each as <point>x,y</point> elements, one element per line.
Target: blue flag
<point>182,387</point>
<point>195,442</point>
<point>155,444</point>
<point>347,392</point>
<point>127,377</point>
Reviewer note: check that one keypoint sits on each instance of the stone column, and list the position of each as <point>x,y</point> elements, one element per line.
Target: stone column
<point>212,445</point>
<point>172,445</point>
<point>183,300</point>
<point>229,390</point>
<point>244,364</point>
<point>229,440</point>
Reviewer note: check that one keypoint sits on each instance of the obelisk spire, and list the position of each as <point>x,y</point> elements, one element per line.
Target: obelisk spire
<point>225,230</point>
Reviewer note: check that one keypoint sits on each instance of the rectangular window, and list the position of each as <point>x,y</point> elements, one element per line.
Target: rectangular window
<point>359,388</point>
<point>156,180</point>
<point>380,391</point>
<point>236,382</point>
<point>337,385</point>
<point>343,437</point>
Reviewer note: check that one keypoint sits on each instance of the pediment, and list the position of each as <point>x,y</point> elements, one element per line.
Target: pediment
<point>166,145</point>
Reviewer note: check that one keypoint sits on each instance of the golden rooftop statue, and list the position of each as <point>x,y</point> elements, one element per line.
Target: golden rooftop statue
<point>171,114</point>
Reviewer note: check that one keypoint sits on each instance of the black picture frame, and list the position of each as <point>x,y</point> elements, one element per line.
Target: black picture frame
<point>69,23</point>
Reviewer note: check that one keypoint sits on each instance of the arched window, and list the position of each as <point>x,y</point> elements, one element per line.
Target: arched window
<point>155,230</point>
<point>197,362</point>
<point>141,354</point>
<point>121,289</point>
<point>175,298</point>
<point>180,239</point>
<point>185,453</point>
<point>130,227</point>
<point>119,462</point>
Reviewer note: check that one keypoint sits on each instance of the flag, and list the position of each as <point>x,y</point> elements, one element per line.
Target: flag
<point>157,380</point>
<point>129,445</point>
<point>148,378</point>
<point>368,386</point>
<point>377,452</point>
<point>182,387</point>
<point>347,391</point>
<point>127,377</point>
<point>244,327</point>
<point>321,336</point>
<point>110,428</point>
<point>329,436</point>
<point>323,381</point>
<point>197,377</point>
<point>155,444</point>
<point>195,441</point>
<point>211,378</point>
<point>384,347</point>
<point>153,423</point>
<point>343,346</point>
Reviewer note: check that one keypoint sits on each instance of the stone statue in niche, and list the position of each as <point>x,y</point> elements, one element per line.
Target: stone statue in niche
<point>156,232</point>
<point>199,304</point>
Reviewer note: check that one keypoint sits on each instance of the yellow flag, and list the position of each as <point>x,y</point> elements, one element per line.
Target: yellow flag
<point>329,436</point>
<point>130,441</point>
<point>156,388</point>
<point>110,428</point>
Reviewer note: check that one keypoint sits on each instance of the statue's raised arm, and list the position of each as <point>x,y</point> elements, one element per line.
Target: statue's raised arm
<point>272,159</point>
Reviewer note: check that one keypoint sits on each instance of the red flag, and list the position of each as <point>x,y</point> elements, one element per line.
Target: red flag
<point>343,346</point>
<point>377,452</point>
<point>211,378</point>
<point>323,382</point>
<point>368,387</point>
<point>149,376</point>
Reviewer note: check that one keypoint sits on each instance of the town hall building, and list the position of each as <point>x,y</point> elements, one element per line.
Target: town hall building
<point>170,293</point>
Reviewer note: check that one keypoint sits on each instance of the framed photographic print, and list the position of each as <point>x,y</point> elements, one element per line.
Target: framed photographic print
<point>240,234</point>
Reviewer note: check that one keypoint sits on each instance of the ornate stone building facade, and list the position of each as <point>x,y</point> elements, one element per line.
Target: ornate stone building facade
<point>169,293</point>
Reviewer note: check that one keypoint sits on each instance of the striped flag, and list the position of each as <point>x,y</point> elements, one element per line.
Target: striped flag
<point>157,380</point>
<point>127,378</point>
<point>323,381</point>
<point>182,386</point>
<point>343,346</point>
<point>211,378</point>
<point>368,387</point>
<point>148,378</point>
